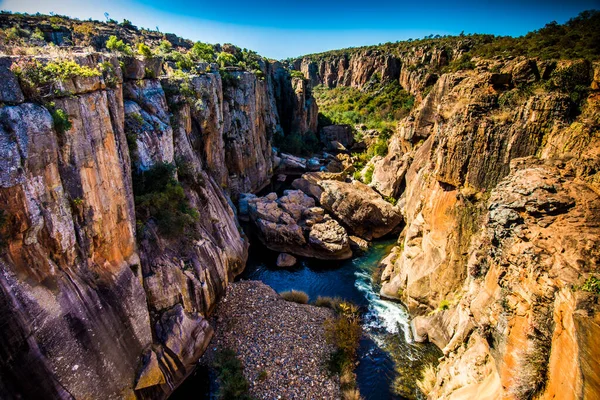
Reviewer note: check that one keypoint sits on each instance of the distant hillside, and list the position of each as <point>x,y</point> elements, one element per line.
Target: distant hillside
<point>577,38</point>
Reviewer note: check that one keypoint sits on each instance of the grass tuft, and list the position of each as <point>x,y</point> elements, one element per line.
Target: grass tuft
<point>295,296</point>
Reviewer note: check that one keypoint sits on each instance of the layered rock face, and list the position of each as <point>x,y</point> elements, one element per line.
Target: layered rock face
<point>499,190</point>
<point>415,69</point>
<point>102,306</point>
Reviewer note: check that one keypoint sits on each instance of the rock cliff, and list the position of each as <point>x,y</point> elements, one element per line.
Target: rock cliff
<point>103,301</point>
<point>497,176</point>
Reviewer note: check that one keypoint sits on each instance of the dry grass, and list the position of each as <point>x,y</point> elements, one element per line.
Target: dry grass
<point>428,379</point>
<point>296,296</point>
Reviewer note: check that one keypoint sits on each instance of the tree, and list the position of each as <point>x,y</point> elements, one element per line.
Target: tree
<point>203,51</point>
<point>225,59</point>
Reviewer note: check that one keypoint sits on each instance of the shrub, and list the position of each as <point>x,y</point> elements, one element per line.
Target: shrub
<point>117,45</point>
<point>203,51</point>
<point>343,331</point>
<point>230,371</point>
<point>225,59</point>
<point>295,296</point>
<point>444,305</point>
<point>296,74</point>
<point>428,378</point>
<point>165,47</point>
<point>144,50</point>
<point>592,285</point>
<point>33,74</point>
<point>328,302</point>
<point>61,120</point>
<point>158,196</point>
<point>369,174</point>
<point>391,200</point>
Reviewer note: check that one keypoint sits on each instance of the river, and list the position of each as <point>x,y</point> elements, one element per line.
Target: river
<point>389,361</point>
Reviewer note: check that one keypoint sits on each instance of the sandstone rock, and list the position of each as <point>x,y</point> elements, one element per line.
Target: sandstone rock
<point>286,260</point>
<point>293,224</point>
<point>358,244</point>
<point>10,91</point>
<point>333,136</point>
<point>359,208</point>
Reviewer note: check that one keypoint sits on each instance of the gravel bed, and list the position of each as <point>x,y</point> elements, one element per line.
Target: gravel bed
<point>282,339</point>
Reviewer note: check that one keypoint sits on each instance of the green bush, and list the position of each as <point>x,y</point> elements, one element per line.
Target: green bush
<point>369,174</point>
<point>225,59</point>
<point>61,120</point>
<point>203,51</point>
<point>592,285</point>
<point>158,196</point>
<point>328,302</point>
<point>144,50</point>
<point>295,296</point>
<point>343,331</point>
<point>296,74</point>
<point>117,45</point>
<point>230,371</point>
<point>444,305</point>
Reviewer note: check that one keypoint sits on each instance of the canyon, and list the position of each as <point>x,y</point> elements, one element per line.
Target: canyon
<point>494,176</point>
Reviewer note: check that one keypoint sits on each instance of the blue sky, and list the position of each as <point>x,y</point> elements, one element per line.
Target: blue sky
<point>291,28</point>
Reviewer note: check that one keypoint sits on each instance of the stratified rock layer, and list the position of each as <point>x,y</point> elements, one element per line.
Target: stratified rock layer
<point>102,305</point>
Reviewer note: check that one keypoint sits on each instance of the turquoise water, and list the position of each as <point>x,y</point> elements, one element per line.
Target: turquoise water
<point>389,361</point>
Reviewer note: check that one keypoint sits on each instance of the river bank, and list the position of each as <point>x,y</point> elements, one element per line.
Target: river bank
<point>281,344</point>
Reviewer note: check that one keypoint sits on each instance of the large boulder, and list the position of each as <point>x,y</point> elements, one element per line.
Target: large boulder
<point>292,224</point>
<point>357,206</point>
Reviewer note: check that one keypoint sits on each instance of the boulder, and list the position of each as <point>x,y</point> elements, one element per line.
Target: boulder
<point>357,206</point>
<point>336,137</point>
<point>286,260</point>
<point>292,224</point>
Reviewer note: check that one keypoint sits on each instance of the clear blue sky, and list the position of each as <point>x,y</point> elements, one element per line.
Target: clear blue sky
<point>290,27</point>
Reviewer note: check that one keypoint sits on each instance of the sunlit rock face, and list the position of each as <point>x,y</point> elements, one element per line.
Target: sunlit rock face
<point>501,232</point>
<point>102,305</point>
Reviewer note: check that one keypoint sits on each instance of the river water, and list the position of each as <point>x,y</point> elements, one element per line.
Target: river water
<point>389,361</point>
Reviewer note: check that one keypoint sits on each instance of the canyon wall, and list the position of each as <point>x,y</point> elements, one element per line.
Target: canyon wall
<point>497,177</point>
<point>415,69</point>
<point>97,301</point>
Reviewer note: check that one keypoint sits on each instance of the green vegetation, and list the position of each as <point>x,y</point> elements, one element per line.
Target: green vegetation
<point>369,174</point>
<point>577,38</point>
<point>143,49</point>
<point>592,285</point>
<point>296,143</point>
<point>225,59</point>
<point>62,123</point>
<point>391,200</point>
<point>444,305</point>
<point>296,74</point>
<point>262,375</point>
<point>295,296</point>
<point>160,197</point>
<point>379,107</point>
<point>33,74</point>
<point>203,52</point>
<point>344,331</point>
<point>230,371</point>
<point>117,45</point>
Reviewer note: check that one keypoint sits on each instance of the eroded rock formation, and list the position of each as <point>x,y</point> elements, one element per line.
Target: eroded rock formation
<point>499,190</point>
<point>102,305</point>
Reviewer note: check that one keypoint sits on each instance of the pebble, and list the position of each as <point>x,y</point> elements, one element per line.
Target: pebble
<point>284,339</point>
